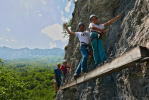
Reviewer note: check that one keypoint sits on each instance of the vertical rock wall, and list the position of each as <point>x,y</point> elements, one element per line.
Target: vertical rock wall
<point>131,30</point>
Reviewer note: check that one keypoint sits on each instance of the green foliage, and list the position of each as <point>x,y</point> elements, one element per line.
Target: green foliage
<point>26,83</point>
<point>1,61</point>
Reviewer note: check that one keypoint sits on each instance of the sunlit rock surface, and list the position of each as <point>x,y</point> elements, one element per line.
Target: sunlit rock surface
<point>131,30</point>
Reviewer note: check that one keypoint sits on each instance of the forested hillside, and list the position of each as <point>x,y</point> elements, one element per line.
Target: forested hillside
<point>26,83</point>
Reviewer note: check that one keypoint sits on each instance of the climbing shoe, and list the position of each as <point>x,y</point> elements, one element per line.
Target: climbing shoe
<point>83,73</point>
<point>76,76</point>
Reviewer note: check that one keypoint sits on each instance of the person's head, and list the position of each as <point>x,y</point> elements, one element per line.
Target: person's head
<point>65,63</point>
<point>81,27</point>
<point>58,66</point>
<point>94,19</point>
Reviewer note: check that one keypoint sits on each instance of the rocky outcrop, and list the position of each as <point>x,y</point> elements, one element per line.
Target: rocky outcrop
<point>131,30</point>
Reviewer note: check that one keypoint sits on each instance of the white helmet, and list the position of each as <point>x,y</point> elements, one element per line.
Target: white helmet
<point>91,16</point>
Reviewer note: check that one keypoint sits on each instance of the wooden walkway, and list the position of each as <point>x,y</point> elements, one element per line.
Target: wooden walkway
<point>119,63</point>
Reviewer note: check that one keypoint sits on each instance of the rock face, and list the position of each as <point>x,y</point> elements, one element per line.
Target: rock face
<point>131,30</point>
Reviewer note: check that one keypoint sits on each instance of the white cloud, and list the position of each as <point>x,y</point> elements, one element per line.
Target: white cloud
<point>52,45</point>
<point>64,19</point>
<point>8,40</point>
<point>58,7</point>
<point>68,5</point>
<point>13,40</point>
<point>40,15</point>
<point>62,13</point>
<point>7,29</point>
<point>30,5</point>
<point>38,12</point>
<point>44,2</point>
<point>54,32</point>
<point>63,1</point>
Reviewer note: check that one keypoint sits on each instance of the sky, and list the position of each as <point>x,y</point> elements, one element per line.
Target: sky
<point>34,23</point>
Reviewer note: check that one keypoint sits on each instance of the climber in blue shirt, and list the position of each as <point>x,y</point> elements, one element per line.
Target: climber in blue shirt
<point>58,75</point>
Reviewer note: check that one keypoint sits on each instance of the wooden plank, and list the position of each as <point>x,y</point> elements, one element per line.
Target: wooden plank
<point>116,65</point>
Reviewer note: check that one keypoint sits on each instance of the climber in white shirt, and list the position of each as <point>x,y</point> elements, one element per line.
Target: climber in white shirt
<point>84,38</point>
<point>97,30</point>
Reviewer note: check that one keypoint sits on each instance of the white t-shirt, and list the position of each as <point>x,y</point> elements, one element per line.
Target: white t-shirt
<point>100,26</point>
<point>83,37</point>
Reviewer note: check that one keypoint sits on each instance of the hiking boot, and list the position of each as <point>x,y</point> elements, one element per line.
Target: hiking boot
<point>106,61</point>
<point>99,65</point>
<point>76,76</point>
<point>83,73</point>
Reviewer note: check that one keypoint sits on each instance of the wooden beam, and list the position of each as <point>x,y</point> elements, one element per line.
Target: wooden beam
<point>115,65</point>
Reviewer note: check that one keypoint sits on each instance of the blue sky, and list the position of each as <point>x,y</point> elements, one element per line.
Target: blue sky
<point>33,23</point>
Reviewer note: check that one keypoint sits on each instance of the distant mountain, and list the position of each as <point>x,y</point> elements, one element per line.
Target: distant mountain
<point>26,53</point>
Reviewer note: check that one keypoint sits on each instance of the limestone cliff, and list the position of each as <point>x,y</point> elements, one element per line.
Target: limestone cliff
<point>131,30</point>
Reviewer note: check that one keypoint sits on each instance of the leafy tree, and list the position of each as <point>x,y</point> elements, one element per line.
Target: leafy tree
<point>1,61</point>
<point>26,83</point>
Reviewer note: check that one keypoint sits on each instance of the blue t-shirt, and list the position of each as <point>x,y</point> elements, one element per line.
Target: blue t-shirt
<point>58,73</point>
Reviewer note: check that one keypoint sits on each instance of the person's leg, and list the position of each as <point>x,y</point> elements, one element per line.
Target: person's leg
<point>102,52</point>
<point>84,52</point>
<point>78,70</point>
<point>58,82</point>
<point>94,44</point>
<point>96,56</point>
<point>64,78</point>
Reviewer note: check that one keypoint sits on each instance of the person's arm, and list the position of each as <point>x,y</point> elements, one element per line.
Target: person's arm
<point>69,32</point>
<point>99,30</point>
<point>93,27</point>
<point>112,20</point>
